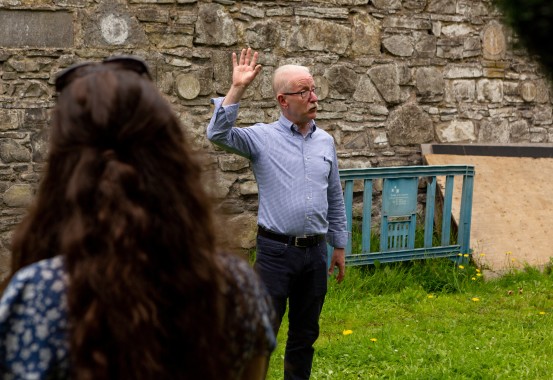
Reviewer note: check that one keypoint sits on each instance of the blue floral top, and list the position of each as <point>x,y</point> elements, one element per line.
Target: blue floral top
<point>33,323</point>
<point>34,328</point>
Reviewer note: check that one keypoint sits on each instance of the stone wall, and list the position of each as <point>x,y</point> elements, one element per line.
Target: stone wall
<point>390,75</point>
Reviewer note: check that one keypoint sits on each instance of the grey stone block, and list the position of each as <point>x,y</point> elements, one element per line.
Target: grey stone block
<point>36,29</point>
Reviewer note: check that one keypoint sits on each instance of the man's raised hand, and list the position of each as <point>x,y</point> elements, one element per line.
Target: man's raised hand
<point>244,72</point>
<point>246,69</point>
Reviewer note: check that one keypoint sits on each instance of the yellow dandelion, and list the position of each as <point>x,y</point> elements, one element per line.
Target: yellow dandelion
<point>508,252</point>
<point>347,332</point>
<point>542,313</point>
<point>482,254</point>
<point>459,254</point>
<point>461,267</point>
<point>477,270</point>
<point>466,255</point>
<point>431,296</point>
<point>475,299</point>
<point>473,278</point>
<point>513,260</point>
<point>479,274</point>
<point>373,339</point>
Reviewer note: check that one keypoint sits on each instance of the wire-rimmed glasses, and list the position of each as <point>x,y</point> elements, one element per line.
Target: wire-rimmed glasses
<point>304,94</point>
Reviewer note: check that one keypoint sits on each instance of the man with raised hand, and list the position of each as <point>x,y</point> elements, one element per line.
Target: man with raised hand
<point>301,205</point>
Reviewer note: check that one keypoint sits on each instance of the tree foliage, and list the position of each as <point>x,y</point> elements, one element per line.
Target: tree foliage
<point>532,20</point>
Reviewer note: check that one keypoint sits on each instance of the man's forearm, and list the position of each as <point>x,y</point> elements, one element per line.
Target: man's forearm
<point>234,95</point>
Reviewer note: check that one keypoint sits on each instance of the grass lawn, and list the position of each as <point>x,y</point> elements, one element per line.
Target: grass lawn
<point>433,320</point>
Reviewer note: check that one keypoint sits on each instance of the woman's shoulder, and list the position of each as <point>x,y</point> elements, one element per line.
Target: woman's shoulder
<point>33,311</point>
<point>42,269</point>
<point>37,285</point>
<point>46,275</point>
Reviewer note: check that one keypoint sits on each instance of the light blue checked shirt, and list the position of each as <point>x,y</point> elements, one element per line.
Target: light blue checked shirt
<point>297,178</point>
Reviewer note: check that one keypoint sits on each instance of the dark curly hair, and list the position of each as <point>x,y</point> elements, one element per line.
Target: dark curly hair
<point>532,20</point>
<point>122,201</point>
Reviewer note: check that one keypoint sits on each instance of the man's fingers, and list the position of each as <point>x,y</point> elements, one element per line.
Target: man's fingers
<point>248,56</point>
<point>257,69</point>
<point>247,59</point>
<point>254,59</point>
<point>341,273</point>
<point>242,56</point>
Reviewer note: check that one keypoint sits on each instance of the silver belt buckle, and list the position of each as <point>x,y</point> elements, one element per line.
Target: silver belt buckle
<point>296,241</point>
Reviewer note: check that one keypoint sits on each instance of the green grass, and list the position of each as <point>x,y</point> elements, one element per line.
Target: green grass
<point>433,320</point>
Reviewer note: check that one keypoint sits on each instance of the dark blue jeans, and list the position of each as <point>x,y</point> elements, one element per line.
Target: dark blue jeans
<point>297,276</point>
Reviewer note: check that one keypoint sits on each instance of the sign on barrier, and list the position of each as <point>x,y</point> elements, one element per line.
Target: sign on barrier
<point>399,197</point>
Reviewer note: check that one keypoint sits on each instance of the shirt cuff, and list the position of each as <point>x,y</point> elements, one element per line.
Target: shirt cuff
<point>338,239</point>
<point>230,111</point>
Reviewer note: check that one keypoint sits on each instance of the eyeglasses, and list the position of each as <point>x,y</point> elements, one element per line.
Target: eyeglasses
<point>304,94</point>
<point>66,76</point>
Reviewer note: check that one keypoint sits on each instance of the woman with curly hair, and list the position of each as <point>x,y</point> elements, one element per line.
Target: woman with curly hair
<point>115,272</point>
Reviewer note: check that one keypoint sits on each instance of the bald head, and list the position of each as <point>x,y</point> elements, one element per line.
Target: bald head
<point>282,75</point>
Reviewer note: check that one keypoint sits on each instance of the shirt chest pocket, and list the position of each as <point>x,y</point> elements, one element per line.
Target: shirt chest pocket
<point>322,167</point>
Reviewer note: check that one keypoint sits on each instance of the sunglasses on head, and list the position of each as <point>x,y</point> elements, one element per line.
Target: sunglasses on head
<point>66,76</point>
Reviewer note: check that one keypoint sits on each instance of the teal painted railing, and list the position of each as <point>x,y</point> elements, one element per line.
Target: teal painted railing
<point>398,219</point>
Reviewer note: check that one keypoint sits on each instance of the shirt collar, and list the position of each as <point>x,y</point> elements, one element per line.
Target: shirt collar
<point>289,126</point>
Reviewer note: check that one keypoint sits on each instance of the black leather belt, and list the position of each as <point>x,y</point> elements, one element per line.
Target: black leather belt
<point>296,241</point>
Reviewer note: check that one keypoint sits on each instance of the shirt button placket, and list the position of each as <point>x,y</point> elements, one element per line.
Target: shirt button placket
<point>308,185</point>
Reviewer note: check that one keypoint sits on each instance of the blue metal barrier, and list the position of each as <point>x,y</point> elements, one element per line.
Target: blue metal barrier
<point>398,217</point>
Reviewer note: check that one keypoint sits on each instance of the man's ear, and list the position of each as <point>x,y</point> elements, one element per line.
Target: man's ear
<point>281,99</point>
